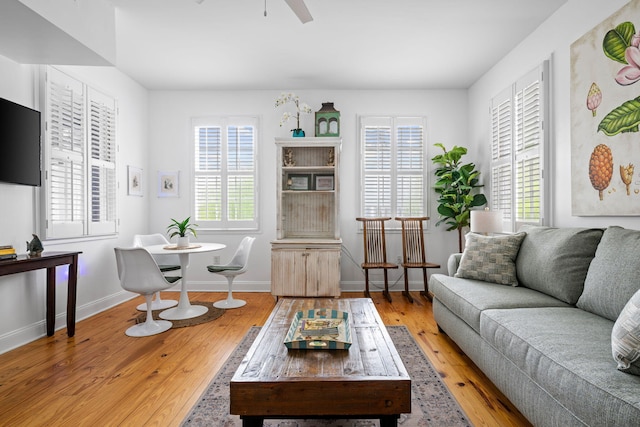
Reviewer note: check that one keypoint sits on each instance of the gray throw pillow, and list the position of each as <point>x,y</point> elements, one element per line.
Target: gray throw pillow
<point>625,337</point>
<point>490,258</point>
<point>612,278</point>
<point>555,261</point>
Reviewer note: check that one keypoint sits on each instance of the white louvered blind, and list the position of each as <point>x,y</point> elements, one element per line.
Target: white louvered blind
<point>392,168</point>
<point>102,161</point>
<point>80,159</point>
<point>65,168</point>
<point>224,173</point>
<point>518,142</point>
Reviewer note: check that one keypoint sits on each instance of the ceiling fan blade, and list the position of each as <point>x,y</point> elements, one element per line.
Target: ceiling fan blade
<point>300,9</point>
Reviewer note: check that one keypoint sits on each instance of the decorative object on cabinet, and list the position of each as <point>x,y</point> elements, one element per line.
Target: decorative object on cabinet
<point>301,107</point>
<point>134,181</point>
<point>305,257</point>
<point>323,182</point>
<point>299,181</point>
<point>327,120</point>
<point>169,184</point>
<point>288,159</point>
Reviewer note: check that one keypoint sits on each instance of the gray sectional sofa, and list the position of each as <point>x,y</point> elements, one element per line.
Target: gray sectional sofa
<point>541,327</point>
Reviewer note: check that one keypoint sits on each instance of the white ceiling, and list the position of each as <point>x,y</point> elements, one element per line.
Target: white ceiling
<point>350,44</point>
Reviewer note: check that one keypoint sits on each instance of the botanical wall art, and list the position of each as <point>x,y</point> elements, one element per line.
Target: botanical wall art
<point>134,181</point>
<point>605,117</point>
<point>168,184</point>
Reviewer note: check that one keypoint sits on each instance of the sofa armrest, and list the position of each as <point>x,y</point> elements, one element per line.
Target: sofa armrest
<point>453,263</point>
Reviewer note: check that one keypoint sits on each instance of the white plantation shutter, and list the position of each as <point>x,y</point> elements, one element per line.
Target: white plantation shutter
<point>224,173</point>
<point>102,163</point>
<point>65,167</point>
<point>518,142</point>
<point>393,173</point>
<point>80,159</point>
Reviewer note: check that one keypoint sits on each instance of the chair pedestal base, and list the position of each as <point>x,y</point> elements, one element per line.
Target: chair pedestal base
<point>158,304</point>
<point>148,328</point>
<point>229,303</point>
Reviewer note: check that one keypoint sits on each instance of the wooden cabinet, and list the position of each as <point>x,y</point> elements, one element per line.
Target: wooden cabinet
<point>305,257</point>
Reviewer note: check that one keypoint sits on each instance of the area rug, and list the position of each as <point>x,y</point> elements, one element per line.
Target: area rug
<point>212,314</point>
<point>431,402</point>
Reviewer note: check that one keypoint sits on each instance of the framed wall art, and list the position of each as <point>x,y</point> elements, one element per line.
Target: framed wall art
<point>605,117</point>
<point>169,184</point>
<point>299,182</point>
<point>323,182</point>
<point>134,181</point>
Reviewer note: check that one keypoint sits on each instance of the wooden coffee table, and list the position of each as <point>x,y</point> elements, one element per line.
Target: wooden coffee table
<point>366,381</point>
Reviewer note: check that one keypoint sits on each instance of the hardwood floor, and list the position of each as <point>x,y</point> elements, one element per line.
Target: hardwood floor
<point>103,378</point>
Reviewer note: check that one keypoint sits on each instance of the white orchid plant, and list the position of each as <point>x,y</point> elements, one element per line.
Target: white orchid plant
<point>301,107</point>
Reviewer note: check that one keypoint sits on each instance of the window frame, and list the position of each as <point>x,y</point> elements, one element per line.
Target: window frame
<point>224,123</point>
<point>393,171</point>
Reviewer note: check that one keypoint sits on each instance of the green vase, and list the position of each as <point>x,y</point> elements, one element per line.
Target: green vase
<point>297,133</point>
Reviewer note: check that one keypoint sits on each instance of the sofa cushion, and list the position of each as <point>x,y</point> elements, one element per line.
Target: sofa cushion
<point>612,278</point>
<point>567,351</point>
<point>548,253</point>
<point>490,258</point>
<point>468,298</point>
<point>625,337</point>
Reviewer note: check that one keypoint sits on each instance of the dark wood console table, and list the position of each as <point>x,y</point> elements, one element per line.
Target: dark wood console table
<point>50,260</point>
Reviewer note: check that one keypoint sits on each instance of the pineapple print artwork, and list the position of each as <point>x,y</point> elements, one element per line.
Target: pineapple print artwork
<point>601,168</point>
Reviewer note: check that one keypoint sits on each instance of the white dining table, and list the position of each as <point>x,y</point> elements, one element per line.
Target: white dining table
<point>184,309</point>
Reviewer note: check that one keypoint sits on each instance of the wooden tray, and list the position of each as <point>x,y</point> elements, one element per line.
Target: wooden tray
<point>319,329</point>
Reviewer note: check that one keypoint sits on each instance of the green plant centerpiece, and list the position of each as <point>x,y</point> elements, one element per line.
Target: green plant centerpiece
<point>456,185</point>
<point>182,229</point>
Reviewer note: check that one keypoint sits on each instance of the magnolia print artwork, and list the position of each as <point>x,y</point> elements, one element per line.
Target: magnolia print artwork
<point>605,117</point>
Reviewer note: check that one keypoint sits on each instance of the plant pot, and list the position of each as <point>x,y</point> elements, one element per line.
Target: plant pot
<point>297,133</point>
<point>183,242</point>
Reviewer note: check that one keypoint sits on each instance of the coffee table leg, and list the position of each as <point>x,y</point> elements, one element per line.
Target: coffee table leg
<point>252,421</point>
<point>389,421</point>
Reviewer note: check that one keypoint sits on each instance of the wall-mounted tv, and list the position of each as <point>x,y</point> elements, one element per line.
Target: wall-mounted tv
<point>20,146</point>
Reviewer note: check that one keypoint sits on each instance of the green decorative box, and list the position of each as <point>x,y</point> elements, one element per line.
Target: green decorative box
<point>319,329</point>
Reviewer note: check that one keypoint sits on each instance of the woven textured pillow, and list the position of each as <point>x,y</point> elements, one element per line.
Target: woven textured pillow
<point>490,258</point>
<point>625,337</point>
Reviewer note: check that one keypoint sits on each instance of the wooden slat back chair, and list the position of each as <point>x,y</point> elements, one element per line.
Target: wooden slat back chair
<point>413,252</point>
<point>375,252</point>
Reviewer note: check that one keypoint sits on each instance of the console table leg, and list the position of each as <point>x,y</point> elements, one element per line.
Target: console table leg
<point>71,297</point>
<point>51,301</point>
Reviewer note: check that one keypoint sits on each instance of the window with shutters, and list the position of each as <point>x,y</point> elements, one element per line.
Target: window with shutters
<point>224,173</point>
<point>518,139</point>
<point>80,159</point>
<point>393,174</point>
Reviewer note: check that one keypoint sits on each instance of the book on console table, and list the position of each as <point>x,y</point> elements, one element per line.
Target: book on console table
<point>7,251</point>
<point>5,257</point>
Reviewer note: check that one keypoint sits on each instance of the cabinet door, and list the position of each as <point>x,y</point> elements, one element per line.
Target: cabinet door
<point>323,272</point>
<point>288,272</point>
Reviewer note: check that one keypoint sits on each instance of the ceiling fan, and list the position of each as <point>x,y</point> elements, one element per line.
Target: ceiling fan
<point>298,7</point>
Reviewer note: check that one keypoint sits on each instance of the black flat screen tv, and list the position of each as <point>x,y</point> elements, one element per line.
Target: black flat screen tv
<point>20,146</point>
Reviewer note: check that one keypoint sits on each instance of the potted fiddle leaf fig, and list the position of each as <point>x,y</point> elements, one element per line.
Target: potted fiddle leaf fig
<point>457,185</point>
<point>182,229</point>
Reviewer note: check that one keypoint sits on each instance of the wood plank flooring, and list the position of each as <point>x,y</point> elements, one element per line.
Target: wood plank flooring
<point>101,377</point>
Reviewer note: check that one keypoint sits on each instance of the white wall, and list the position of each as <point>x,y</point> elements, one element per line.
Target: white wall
<point>22,296</point>
<point>170,114</point>
<point>552,40</point>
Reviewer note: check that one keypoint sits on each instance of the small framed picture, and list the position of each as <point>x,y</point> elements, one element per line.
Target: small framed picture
<point>169,184</point>
<point>134,181</point>
<point>323,182</point>
<point>299,182</point>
